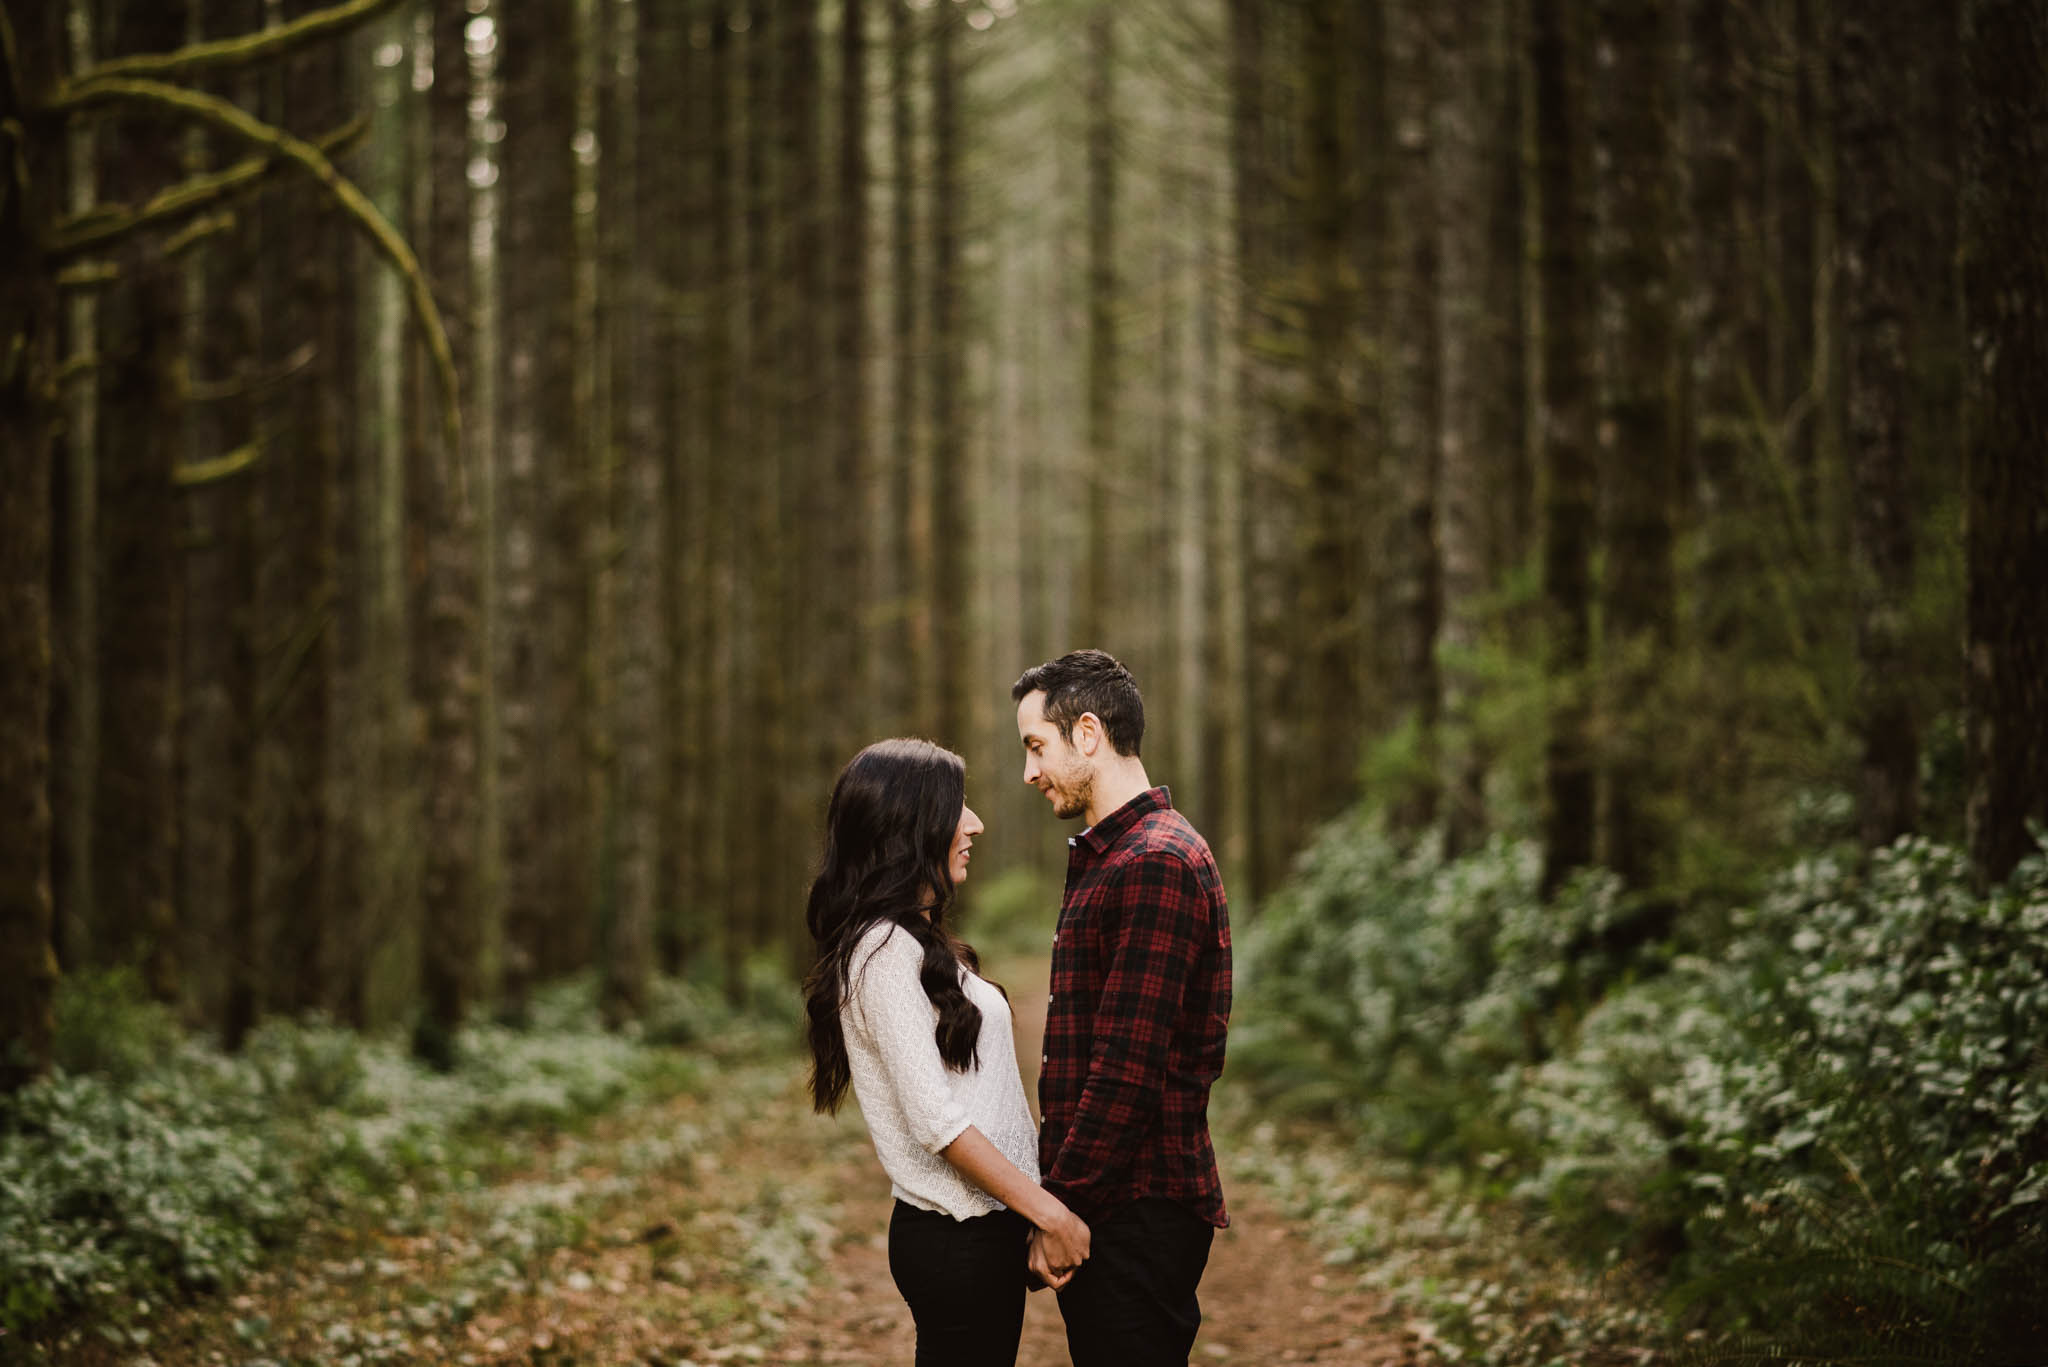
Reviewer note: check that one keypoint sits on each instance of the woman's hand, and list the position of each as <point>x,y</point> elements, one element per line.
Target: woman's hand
<point>1058,1246</point>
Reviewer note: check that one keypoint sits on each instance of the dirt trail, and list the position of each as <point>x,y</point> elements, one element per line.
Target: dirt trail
<point>1266,1298</point>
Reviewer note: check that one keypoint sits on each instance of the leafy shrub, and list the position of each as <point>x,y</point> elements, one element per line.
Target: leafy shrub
<point>106,1024</point>
<point>175,1167</point>
<point>151,1188</point>
<point>1832,1130</point>
<point>763,1016</point>
<point>1390,986</point>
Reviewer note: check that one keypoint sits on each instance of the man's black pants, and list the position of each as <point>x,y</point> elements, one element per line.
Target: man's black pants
<point>1132,1304</point>
<point>964,1281</point>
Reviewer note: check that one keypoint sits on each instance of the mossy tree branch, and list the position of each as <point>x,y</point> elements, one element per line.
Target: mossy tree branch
<point>228,117</point>
<point>107,224</point>
<point>225,54</point>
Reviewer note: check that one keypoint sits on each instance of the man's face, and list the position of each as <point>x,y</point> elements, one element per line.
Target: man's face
<point>1051,763</point>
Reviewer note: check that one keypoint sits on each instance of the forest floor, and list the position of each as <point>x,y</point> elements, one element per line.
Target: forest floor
<point>1267,1297</point>
<point>725,1223</point>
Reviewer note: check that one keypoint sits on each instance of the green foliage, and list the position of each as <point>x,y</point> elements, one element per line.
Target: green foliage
<point>106,1024</point>
<point>1391,987</point>
<point>174,1166</point>
<point>1831,1131</point>
<point>762,1017</point>
<point>150,1188</point>
<point>1012,913</point>
<point>1847,1116</point>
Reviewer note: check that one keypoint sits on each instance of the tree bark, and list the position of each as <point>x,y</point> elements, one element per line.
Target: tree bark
<point>1877,264</point>
<point>635,449</point>
<point>1413,345</point>
<point>846,547</point>
<point>1564,308</point>
<point>1333,512</point>
<point>948,590</point>
<point>28,332</point>
<point>1251,187</point>
<point>2005,255</point>
<point>447,586</point>
<point>1478,470</point>
<point>1091,611</point>
<point>544,619</point>
<point>1640,425</point>
<point>900,660</point>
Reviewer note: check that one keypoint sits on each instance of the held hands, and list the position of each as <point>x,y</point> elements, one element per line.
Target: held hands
<point>1058,1247</point>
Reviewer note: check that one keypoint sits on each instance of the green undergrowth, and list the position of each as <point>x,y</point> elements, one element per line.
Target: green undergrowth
<point>150,1168</point>
<point>1472,1278</point>
<point>1812,1128</point>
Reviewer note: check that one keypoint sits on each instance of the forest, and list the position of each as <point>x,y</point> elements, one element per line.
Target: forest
<point>1563,472</point>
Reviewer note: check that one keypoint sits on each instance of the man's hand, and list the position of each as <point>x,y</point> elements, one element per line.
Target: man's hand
<point>1041,1265</point>
<point>1058,1248</point>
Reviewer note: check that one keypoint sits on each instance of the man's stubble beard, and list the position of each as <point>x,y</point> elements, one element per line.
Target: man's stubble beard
<point>1076,796</point>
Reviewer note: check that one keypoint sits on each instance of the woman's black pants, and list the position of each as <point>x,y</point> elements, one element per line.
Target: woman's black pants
<point>964,1280</point>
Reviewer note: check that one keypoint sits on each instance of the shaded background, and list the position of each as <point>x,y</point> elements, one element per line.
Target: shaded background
<point>1604,423</point>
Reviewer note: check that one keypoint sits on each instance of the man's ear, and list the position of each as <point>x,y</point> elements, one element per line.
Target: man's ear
<point>1088,734</point>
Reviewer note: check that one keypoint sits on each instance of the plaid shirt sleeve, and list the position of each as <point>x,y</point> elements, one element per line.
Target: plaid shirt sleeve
<point>1158,927</point>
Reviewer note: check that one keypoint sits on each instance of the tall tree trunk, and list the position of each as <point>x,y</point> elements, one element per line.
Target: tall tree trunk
<point>670,223</point>
<point>1564,312</point>
<point>725,287</point>
<point>1877,264</point>
<point>590,303</point>
<point>1333,511</point>
<point>448,665</point>
<point>75,683</point>
<point>2005,254</point>
<point>28,333</point>
<point>1640,422</point>
<point>1505,282</point>
<point>805,635</point>
<point>134,793</point>
<point>899,661</point>
<point>542,559</point>
<point>1473,349</point>
<point>1795,195</point>
<point>1250,190</point>
<point>1091,618</point>
<point>299,607</point>
<point>1413,347</point>
<point>846,548</point>
<point>947,591</point>
<point>758,802</point>
<point>638,723</point>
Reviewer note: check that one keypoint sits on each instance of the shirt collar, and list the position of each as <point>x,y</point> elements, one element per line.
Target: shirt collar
<point>1106,832</point>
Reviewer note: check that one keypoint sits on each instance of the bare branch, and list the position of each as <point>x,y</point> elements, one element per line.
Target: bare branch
<point>106,224</point>
<point>88,275</point>
<point>223,114</point>
<point>197,231</point>
<point>219,468</point>
<point>228,53</point>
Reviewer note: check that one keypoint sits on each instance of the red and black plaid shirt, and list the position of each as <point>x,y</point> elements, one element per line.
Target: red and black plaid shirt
<point>1134,1030</point>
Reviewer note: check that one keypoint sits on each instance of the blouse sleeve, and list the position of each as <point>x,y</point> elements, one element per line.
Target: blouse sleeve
<point>889,1007</point>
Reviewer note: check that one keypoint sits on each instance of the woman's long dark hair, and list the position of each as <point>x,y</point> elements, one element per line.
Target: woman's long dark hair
<point>888,838</point>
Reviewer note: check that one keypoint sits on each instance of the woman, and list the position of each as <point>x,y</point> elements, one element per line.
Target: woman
<point>898,1011</point>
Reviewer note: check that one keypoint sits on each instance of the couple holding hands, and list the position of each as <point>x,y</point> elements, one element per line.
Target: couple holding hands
<point>1115,1199</point>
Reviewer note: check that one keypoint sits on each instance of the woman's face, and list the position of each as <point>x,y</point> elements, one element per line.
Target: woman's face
<point>963,839</point>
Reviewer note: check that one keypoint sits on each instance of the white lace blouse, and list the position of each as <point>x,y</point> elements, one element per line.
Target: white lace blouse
<point>913,1103</point>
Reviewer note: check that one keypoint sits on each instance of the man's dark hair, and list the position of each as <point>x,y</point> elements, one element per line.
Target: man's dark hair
<point>1088,681</point>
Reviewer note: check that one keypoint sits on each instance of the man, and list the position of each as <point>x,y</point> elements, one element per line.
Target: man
<point>1135,1026</point>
